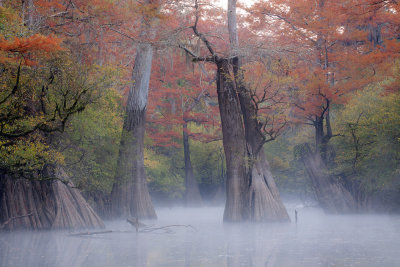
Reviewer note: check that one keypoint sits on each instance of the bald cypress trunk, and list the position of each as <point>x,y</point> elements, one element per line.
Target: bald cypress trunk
<point>38,204</point>
<point>237,183</point>
<point>264,200</point>
<point>192,193</point>
<point>130,196</point>
<point>331,193</point>
<point>331,190</point>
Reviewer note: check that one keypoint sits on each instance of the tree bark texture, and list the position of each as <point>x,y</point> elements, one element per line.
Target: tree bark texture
<point>38,205</point>
<point>265,203</point>
<point>331,194</point>
<point>322,138</point>
<point>265,200</point>
<point>31,10</point>
<point>130,195</point>
<point>192,192</point>
<point>236,207</point>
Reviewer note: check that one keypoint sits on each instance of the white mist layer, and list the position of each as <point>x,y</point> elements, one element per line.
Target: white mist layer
<point>316,240</point>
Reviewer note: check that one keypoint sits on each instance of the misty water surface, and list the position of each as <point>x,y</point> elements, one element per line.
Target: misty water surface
<point>317,240</point>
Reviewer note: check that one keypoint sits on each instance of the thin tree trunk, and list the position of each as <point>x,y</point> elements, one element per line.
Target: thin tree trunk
<point>265,203</point>
<point>130,195</point>
<point>375,34</point>
<point>31,10</point>
<point>319,132</point>
<point>23,11</point>
<point>27,9</point>
<point>192,193</point>
<point>322,139</point>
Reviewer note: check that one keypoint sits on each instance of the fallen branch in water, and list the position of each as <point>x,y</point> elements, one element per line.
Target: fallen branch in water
<point>147,229</point>
<point>166,229</point>
<point>13,218</point>
<point>91,233</point>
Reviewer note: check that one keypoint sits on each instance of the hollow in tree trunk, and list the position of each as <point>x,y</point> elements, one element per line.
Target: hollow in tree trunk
<point>192,193</point>
<point>130,196</point>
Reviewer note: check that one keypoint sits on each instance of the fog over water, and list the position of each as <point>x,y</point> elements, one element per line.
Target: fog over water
<point>316,240</point>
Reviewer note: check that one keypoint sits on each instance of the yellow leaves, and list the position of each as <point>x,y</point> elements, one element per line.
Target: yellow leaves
<point>10,23</point>
<point>146,10</point>
<point>151,161</point>
<point>46,100</point>
<point>29,154</point>
<point>161,173</point>
<point>376,112</point>
<point>8,14</point>
<point>279,163</point>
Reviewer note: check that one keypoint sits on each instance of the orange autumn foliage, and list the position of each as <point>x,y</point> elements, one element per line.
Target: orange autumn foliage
<point>28,48</point>
<point>179,95</point>
<point>336,47</point>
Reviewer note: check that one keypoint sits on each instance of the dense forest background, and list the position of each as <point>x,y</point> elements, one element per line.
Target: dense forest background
<point>324,76</point>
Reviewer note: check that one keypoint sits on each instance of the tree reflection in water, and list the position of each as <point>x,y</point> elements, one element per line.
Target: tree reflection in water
<point>317,240</point>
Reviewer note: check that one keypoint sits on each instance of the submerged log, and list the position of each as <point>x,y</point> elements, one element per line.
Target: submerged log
<point>331,194</point>
<point>51,204</point>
